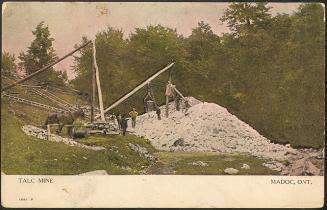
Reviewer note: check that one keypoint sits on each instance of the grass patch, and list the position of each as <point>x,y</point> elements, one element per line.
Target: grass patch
<point>119,151</point>
<point>22,154</point>
<point>181,163</point>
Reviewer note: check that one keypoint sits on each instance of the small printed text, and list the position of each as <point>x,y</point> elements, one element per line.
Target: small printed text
<point>36,180</point>
<point>290,181</point>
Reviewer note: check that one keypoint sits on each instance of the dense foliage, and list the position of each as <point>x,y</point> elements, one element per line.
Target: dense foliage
<point>269,70</point>
<point>39,54</point>
<point>8,65</point>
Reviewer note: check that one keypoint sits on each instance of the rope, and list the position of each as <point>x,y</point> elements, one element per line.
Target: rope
<point>68,105</point>
<point>52,99</point>
<point>33,103</point>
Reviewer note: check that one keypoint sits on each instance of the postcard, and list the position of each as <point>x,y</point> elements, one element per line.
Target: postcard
<point>162,104</point>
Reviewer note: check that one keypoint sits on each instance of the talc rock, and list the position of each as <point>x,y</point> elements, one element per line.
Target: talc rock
<point>245,166</point>
<point>231,171</point>
<point>97,172</point>
<point>298,167</point>
<point>214,126</point>
<point>311,169</point>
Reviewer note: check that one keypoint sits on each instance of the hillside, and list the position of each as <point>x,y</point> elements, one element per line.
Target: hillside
<point>23,154</point>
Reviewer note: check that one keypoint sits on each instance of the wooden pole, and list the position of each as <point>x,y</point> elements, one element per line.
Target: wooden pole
<point>179,93</point>
<point>93,95</point>
<point>44,68</point>
<point>98,82</point>
<point>168,89</point>
<point>48,132</point>
<point>174,97</point>
<point>167,105</point>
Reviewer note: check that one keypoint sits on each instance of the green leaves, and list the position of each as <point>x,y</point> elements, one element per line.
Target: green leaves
<point>8,65</point>
<point>39,54</point>
<point>242,17</point>
<point>269,71</point>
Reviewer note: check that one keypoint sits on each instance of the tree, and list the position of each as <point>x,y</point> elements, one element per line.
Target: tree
<point>242,17</point>
<point>269,71</point>
<point>278,71</point>
<point>110,48</point>
<point>39,54</point>
<point>203,47</point>
<point>202,43</point>
<point>8,65</point>
<point>151,49</point>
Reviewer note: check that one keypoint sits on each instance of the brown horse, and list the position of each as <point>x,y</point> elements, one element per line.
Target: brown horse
<point>63,119</point>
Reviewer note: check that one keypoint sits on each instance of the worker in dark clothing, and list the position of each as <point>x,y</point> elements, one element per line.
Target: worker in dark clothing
<point>177,102</point>
<point>119,119</point>
<point>158,112</point>
<point>145,106</point>
<point>124,124</point>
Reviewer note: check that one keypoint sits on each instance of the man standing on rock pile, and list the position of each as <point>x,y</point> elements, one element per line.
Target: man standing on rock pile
<point>133,114</point>
<point>177,102</point>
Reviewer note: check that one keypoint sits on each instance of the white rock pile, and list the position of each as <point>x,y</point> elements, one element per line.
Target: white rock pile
<point>210,127</point>
<point>42,134</point>
<point>207,127</point>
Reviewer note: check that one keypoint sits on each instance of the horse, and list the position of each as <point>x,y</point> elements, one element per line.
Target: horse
<point>63,119</point>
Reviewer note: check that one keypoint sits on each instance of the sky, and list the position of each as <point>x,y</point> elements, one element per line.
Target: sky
<point>68,22</point>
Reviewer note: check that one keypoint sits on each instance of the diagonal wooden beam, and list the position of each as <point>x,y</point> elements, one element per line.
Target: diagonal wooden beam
<point>44,68</point>
<point>137,88</point>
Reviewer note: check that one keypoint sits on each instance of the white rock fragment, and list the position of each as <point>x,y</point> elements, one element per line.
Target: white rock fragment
<point>199,163</point>
<point>97,172</point>
<point>231,171</point>
<point>245,166</point>
<point>42,134</point>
